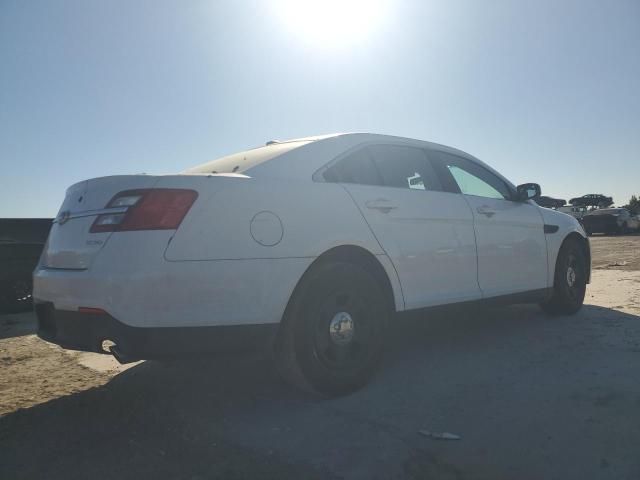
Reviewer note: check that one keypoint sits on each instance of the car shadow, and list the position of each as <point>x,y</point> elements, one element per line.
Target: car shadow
<point>17,324</point>
<point>232,417</point>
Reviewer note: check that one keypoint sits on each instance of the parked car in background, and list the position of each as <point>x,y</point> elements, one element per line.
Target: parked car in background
<point>610,220</point>
<point>576,212</point>
<point>311,244</point>
<point>550,202</point>
<point>21,242</point>
<point>596,200</point>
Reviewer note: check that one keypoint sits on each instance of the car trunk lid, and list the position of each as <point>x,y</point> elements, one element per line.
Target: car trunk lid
<point>71,245</point>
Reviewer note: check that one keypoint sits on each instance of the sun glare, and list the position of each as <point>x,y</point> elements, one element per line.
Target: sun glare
<point>331,23</point>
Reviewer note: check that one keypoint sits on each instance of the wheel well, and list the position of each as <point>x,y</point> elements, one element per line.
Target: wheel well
<point>363,258</point>
<point>586,249</point>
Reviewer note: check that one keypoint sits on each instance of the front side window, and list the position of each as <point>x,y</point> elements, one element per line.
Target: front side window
<point>473,179</point>
<point>471,185</point>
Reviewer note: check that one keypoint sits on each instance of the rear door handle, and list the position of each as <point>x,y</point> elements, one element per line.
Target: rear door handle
<point>484,210</point>
<point>381,204</point>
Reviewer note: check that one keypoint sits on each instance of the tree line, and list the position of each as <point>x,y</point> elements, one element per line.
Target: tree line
<point>634,205</point>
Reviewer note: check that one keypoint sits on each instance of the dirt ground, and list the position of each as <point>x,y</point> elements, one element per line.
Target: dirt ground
<point>615,251</point>
<point>531,397</point>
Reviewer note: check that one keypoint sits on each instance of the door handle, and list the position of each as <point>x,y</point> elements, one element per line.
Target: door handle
<point>484,210</point>
<point>381,204</point>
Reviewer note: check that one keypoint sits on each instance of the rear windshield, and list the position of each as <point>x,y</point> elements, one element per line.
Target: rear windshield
<point>242,161</point>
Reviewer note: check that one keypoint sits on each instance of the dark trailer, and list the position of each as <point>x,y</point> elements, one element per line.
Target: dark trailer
<point>609,220</point>
<point>21,242</point>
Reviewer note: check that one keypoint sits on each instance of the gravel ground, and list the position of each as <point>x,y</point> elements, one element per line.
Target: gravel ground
<point>531,396</point>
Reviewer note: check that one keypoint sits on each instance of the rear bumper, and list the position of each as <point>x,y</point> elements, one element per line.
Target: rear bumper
<point>151,293</point>
<point>86,332</point>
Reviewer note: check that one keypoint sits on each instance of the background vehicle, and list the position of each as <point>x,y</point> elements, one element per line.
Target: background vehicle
<point>610,220</point>
<point>550,202</point>
<point>315,242</point>
<point>21,242</point>
<point>596,200</point>
<point>576,212</point>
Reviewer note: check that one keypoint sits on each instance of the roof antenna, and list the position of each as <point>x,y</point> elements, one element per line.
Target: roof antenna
<point>272,142</point>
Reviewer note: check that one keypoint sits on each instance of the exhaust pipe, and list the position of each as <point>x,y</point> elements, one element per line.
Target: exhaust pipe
<point>122,358</point>
<point>111,347</point>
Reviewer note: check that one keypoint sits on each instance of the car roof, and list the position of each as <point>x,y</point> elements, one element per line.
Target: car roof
<point>322,149</point>
<point>302,157</point>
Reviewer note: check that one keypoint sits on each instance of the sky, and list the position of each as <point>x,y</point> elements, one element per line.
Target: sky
<point>545,91</point>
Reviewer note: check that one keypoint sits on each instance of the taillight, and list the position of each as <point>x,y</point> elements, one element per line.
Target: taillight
<point>149,209</point>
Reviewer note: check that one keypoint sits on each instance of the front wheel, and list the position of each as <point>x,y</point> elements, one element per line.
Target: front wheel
<point>332,334</point>
<point>570,280</point>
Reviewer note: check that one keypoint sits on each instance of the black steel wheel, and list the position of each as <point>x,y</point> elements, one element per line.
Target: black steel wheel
<point>332,335</point>
<point>570,280</point>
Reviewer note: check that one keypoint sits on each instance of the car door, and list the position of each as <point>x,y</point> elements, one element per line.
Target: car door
<point>510,239</point>
<point>426,232</point>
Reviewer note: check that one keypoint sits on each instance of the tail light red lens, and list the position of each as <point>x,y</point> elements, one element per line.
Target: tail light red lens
<point>151,209</point>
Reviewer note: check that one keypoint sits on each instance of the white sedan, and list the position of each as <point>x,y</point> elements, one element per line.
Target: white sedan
<point>308,246</point>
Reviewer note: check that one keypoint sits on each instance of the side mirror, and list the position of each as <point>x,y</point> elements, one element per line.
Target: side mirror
<point>528,191</point>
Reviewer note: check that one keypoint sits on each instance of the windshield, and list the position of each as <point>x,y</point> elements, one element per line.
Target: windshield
<point>243,161</point>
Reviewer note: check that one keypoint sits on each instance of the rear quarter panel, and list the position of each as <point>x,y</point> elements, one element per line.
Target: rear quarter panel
<point>312,217</point>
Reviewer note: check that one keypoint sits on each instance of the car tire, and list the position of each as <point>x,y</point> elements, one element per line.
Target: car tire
<point>570,280</point>
<point>331,338</point>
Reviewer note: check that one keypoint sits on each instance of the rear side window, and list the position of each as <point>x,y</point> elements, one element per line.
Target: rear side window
<point>356,167</point>
<point>386,165</point>
<point>471,178</point>
<point>405,167</point>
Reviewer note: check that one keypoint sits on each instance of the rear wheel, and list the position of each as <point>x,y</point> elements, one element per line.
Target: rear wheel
<point>570,281</point>
<point>332,334</point>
